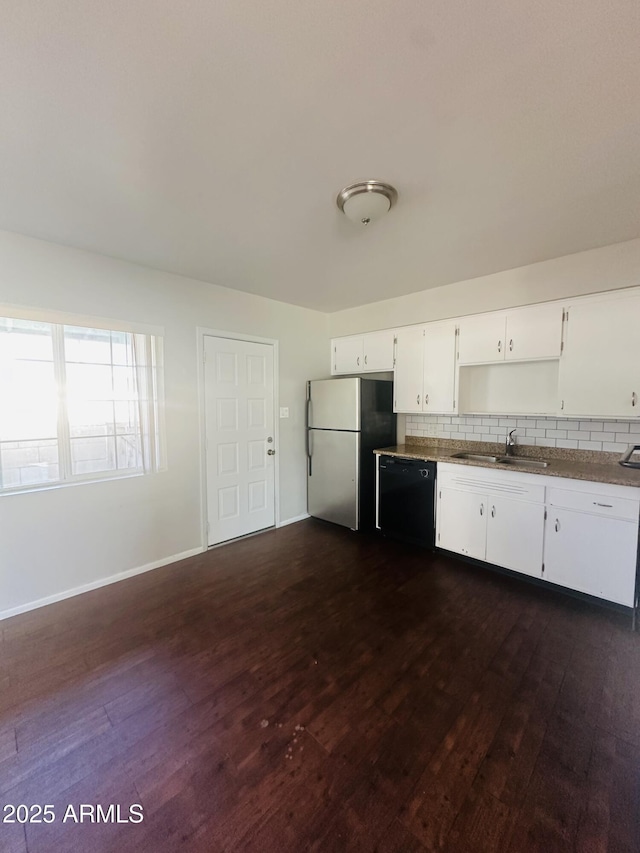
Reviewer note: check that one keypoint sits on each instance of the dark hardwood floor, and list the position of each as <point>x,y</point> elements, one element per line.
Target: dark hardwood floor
<point>312,689</point>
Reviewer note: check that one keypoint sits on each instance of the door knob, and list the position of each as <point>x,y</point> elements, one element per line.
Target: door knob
<point>271,452</point>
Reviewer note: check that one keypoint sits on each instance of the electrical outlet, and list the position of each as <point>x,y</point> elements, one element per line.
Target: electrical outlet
<point>284,411</point>
<point>431,430</point>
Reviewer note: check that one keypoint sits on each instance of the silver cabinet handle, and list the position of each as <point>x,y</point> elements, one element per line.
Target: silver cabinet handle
<point>481,509</point>
<point>358,361</point>
<point>608,506</point>
<point>418,399</point>
<point>426,399</point>
<point>511,345</point>
<point>557,525</point>
<point>365,359</point>
<point>271,453</point>
<point>634,399</point>
<point>493,512</point>
<point>499,346</point>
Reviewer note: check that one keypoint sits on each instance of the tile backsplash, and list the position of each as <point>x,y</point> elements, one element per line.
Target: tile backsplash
<point>610,436</point>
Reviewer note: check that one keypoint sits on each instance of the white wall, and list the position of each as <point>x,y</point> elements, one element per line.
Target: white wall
<point>573,275</point>
<point>60,539</point>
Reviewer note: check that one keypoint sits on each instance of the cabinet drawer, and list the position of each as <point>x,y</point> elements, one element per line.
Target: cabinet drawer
<point>625,508</point>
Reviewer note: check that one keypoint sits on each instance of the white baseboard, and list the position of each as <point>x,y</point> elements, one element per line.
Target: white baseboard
<point>78,590</point>
<point>294,519</point>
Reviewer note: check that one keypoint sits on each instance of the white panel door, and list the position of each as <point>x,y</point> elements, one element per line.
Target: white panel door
<point>515,535</point>
<point>534,332</point>
<point>439,371</point>
<point>600,365</point>
<point>407,386</point>
<point>482,338</point>
<point>239,427</point>
<point>591,554</point>
<point>462,522</point>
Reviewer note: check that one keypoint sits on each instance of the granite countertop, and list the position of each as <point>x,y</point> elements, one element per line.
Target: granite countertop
<point>595,466</point>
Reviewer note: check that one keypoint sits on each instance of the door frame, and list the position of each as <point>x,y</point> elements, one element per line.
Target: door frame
<point>201,334</point>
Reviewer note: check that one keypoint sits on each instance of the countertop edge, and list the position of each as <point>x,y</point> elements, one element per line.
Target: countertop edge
<point>566,470</point>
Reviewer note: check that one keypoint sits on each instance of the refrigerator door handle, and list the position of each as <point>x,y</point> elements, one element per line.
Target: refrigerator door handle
<point>310,451</point>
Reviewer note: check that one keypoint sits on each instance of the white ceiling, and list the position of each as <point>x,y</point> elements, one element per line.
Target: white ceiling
<point>210,137</point>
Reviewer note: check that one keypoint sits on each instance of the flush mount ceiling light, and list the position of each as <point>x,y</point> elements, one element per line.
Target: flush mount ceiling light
<point>366,201</point>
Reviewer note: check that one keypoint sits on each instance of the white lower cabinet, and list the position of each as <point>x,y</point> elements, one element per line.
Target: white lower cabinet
<point>462,522</point>
<point>491,515</point>
<point>515,533</point>
<point>579,535</point>
<point>591,554</point>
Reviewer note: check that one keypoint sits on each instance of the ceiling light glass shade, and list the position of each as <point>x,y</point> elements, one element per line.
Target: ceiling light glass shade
<point>367,201</point>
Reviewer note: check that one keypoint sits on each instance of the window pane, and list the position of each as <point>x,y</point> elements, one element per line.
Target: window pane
<point>24,463</point>
<point>89,382</point>
<point>126,417</point>
<point>90,455</point>
<point>122,347</point>
<point>28,389</point>
<point>92,418</point>
<point>129,451</point>
<point>87,346</point>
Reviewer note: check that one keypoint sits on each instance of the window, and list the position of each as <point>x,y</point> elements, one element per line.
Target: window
<point>76,403</point>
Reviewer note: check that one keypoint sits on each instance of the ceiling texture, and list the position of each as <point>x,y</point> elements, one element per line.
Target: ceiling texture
<point>210,137</point>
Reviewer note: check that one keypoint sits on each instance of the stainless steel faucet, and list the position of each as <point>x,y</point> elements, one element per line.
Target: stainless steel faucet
<point>509,444</point>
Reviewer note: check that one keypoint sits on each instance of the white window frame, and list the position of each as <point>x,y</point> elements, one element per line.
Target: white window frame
<point>150,378</point>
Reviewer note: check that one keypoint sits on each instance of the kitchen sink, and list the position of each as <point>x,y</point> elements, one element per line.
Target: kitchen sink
<point>524,463</point>
<point>502,460</point>
<point>474,457</point>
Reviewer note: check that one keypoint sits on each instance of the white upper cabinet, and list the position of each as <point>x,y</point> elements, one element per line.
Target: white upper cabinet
<point>524,334</point>
<point>439,370</point>
<point>347,355</point>
<point>534,332</point>
<point>425,368</point>
<point>378,350</point>
<point>482,338</point>
<point>600,365</point>
<point>368,353</point>
<point>407,386</point>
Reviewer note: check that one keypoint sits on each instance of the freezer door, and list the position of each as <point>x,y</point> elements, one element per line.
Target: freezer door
<point>332,482</point>
<point>334,404</point>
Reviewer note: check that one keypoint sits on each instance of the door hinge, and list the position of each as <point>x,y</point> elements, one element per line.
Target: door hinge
<point>438,537</point>
<point>562,405</point>
<point>440,494</point>
<point>395,339</point>
<point>545,515</point>
<point>561,346</point>
<point>543,568</point>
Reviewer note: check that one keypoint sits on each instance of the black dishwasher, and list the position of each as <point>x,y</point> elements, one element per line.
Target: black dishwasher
<point>406,499</point>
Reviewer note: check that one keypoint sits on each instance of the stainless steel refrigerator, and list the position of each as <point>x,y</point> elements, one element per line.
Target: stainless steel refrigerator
<point>346,420</point>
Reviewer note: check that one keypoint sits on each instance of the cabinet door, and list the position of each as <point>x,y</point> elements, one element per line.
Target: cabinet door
<point>407,387</point>
<point>600,365</point>
<point>482,339</point>
<point>348,355</point>
<point>462,522</point>
<point>378,350</point>
<point>534,332</point>
<point>515,535</point>
<point>439,371</point>
<point>591,554</point>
